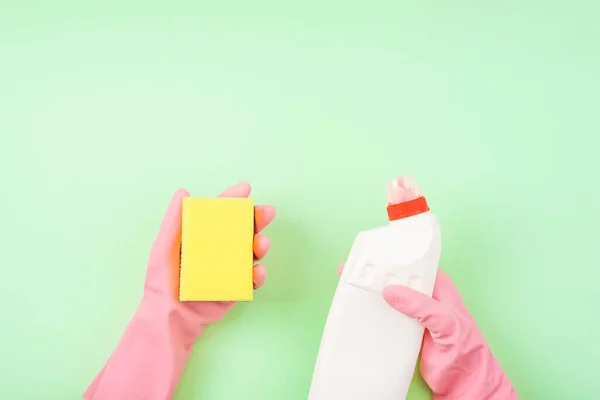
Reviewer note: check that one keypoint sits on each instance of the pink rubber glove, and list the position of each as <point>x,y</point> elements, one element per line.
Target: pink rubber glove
<point>456,361</point>
<point>149,360</point>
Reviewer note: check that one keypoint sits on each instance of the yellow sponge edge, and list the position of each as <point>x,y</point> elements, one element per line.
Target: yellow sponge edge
<point>217,236</point>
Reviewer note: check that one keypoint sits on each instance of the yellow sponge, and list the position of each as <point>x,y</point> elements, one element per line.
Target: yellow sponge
<point>216,249</point>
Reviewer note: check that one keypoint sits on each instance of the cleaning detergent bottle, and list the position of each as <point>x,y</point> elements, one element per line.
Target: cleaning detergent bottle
<point>369,350</point>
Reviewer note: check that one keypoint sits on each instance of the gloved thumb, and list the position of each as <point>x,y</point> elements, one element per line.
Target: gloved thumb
<point>169,234</point>
<point>433,315</point>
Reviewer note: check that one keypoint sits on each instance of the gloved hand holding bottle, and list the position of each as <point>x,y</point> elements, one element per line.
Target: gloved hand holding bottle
<point>456,361</point>
<point>149,360</point>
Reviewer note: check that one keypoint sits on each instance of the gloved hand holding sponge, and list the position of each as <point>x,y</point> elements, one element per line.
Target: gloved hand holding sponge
<point>149,360</point>
<point>147,364</point>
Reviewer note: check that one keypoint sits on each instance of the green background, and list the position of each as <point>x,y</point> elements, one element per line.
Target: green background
<point>107,108</point>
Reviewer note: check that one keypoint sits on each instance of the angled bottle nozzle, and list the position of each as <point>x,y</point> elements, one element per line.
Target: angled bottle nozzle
<point>402,189</point>
<point>404,198</point>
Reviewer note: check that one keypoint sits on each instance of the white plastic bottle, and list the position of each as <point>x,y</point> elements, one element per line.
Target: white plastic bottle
<point>369,350</point>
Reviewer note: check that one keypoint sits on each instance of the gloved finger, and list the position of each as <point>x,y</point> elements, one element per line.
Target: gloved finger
<point>446,292</point>
<point>263,215</point>
<point>433,315</point>
<point>259,274</point>
<point>241,189</point>
<point>261,246</point>
<point>169,234</point>
<point>444,289</point>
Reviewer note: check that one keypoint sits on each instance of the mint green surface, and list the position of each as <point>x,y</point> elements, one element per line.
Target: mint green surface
<point>106,109</point>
